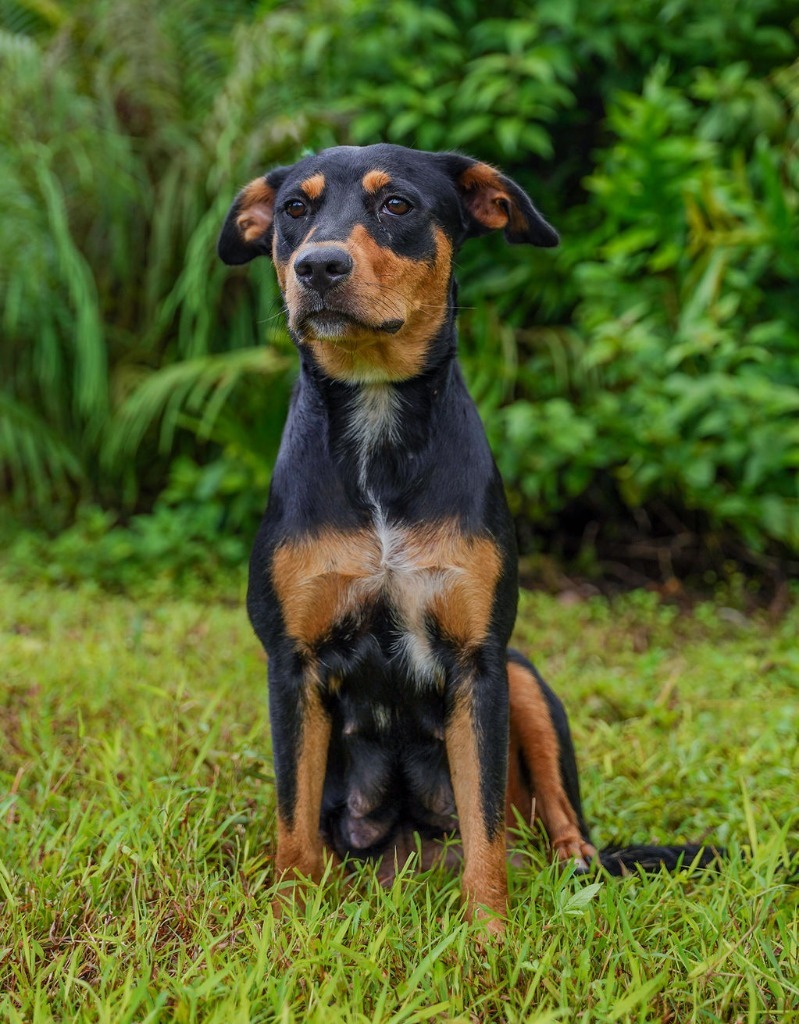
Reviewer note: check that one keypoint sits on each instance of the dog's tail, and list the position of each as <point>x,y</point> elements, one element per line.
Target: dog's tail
<point>628,860</point>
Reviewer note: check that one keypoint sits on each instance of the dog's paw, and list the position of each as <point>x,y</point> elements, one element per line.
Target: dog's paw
<point>490,926</point>
<point>574,850</point>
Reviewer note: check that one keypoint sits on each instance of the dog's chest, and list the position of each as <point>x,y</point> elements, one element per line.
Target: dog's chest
<point>431,579</point>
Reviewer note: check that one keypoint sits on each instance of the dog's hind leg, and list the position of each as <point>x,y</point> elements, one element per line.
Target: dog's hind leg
<point>542,769</point>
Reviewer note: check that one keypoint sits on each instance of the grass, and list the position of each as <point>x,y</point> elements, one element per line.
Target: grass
<point>138,824</point>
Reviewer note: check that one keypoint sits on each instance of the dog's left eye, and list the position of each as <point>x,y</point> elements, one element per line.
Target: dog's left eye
<point>295,208</point>
<point>397,206</point>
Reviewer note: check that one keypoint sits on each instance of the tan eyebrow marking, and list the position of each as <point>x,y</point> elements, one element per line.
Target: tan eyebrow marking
<point>314,186</point>
<point>373,181</point>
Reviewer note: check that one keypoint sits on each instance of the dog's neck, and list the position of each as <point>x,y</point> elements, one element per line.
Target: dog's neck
<point>378,429</point>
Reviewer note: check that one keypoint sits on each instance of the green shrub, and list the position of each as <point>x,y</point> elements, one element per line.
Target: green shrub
<point>685,371</point>
<point>109,223</point>
<point>654,357</point>
<point>191,538</point>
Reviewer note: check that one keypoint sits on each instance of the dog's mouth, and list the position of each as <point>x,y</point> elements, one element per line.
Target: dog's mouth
<point>335,325</point>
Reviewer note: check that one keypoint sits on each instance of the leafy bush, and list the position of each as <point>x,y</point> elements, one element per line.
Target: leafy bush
<point>654,358</point>
<point>108,229</point>
<point>192,537</point>
<point>685,367</point>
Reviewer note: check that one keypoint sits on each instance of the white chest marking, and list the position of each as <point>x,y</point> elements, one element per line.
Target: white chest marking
<point>374,421</point>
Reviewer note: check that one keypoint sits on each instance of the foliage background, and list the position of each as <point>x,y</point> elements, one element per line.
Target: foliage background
<point>639,386</point>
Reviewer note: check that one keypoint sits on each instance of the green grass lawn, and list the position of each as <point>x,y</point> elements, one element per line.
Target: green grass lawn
<point>137,818</point>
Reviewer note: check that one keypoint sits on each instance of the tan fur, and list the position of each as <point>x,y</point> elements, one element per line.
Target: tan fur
<point>373,181</point>
<point>532,734</point>
<point>299,845</point>
<point>486,198</point>
<point>314,186</point>
<point>478,176</point>
<point>313,580</point>
<point>256,210</point>
<point>432,571</point>
<point>463,610</point>
<point>485,881</point>
<point>258,191</point>
<point>383,286</point>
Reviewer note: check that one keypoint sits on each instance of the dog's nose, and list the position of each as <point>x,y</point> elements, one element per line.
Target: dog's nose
<point>323,268</point>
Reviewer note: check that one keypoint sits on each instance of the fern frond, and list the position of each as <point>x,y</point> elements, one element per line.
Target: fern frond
<point>90,377</point>
<point>37,462</point>
<point>200,387</point>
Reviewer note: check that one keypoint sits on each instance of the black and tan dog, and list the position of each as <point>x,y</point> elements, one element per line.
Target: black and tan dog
<point>383,582</point>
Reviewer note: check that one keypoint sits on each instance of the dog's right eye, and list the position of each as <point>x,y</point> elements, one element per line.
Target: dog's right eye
<point>295,208</point>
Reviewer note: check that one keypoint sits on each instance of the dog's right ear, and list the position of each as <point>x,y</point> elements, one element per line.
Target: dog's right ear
<point>491,201</point>
<point>247,231</point>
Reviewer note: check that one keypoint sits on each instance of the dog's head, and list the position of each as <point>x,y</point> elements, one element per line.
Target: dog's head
<point>363,240</point>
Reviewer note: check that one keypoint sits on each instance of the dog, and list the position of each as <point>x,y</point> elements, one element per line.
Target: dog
<point>383,580</point>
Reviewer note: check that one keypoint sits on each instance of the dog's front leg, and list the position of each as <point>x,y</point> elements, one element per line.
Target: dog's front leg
<point>300,740</point>
<point>476,735</point>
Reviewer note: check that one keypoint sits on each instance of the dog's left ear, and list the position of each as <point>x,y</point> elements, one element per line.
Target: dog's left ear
<point>490,201</point>
<point>247,231</point>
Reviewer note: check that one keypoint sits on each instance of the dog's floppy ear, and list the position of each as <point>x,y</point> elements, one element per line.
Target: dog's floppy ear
<point>247,231</point>
<point>490,201</point>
